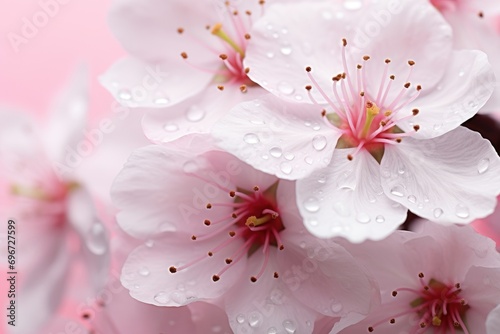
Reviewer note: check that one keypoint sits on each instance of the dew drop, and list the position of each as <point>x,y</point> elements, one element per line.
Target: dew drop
<point>289,326</point>
<point>336,307</point>
<point>319,142</point>
<point>149,243</point>
<point>170,127</point>
<point>472,104</point>
<point>461,73</point>
<point>96,240</point>
<point>178,297</point>
<point>397,191</point>
<point>327,15</point>
<point>483,165</point>
<point>362,218</point>
<point>190,167</point>
<point>275,35</point>
<point>286,50</point>
<point>272,330</point>
<point>341,209</point>
<point>298,97</point>
<point>286,168</point>
<point>276,152</point>
<point>270,55</point>
<point>195,114</point>
<point>240,318</point>
<point>380,219</point>
<point>264,157</point>
<point>286,88</point>
<point>412,199</point>
<point>312,204</point>
<point>254,320</point>
<point>312,222</point>
<point>161,101</point>
<point>125,94</point>
<point>161,297</point>
<point>289,156</point>
<point>144,271</point>
<point>322,179</point>
<point>308,160</point>
<point>462,211</point>
<point>352,4</point>
<point>401,170</point>
<point>251,138</point>
<point>437,126</point>
<point>438,212</point>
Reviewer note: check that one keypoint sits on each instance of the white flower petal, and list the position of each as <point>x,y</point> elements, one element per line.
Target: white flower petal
<point>493,321</point>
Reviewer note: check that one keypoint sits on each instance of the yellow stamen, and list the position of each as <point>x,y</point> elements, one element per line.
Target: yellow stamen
<point>253,221</point>
<point>371,111</point>
<point>34,193</point>
<point>217,31</point>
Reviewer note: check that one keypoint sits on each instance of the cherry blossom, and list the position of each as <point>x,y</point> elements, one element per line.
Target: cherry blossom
<point>383,134</point>
<point>216,230</point>
<point>189,69</point>
<point>441,280</point>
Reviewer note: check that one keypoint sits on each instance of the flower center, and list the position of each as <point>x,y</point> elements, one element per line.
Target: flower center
<point>234,41</point>
<point>367,119</point>
<point>438,305</point>
<point>255,222</point>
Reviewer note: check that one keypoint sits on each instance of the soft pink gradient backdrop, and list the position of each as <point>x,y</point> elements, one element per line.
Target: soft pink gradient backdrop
<point>78,33</point>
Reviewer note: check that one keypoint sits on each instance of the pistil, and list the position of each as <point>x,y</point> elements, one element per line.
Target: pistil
<point>217,31</point>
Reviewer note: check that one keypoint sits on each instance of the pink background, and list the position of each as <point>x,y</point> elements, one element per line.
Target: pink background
<point>77,33</point>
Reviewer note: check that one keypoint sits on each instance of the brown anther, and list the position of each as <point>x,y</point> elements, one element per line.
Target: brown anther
<point>359,66</point>
<point>207,27</point>
<point>323,112</point>
<point>419,87</point>
<point>387,113</point>
<point>365,58</point>
<point>256,188</point>
<point>253,279</point>
<point>392,321</point>
<point>308,69</point>
<point>207,222</point>
<point>209,206</point>
<point>416,127</point>
<point>223,56</point>
<point>172,269</point>
<point>215,278</point>
<point>234,215</point>
<point>247,36</point>
<point>86,315</point>
<point>184,55</point>
<point>392,77</point>
<point>276,275</point>
<point>308,87</point>
<point>457,285</point>
<point>480,14</point>
<point>426,288</point>
<point>361,94</point>
<point>415,112</point>
<point>369,104</point>
<point>399,140</point>
<point>407,85</point>
<point>462,302</point>
<point>210,254</point>
<point>262,2</point>
<point>281,247</point>
<point>382,123</point>
<point>344,42</point>
<point>247,70</point>
<point>344,75</point>
<point>411,62</point>
<point>180,30</point>
<point>232,233</point>
<point>456,324</point>
<point>421,275</point>
<point>370,329</point>
<point>248,12</point>
<point>228,261</point>
<point>394,293</point>
<point>193,237</point>
<point>220,87</point>
<point>235,13</point>
<point>350,157</point>
<point>243,88</point>
<point>232,193</point>
<point>423,325</point>
<point>387,61</point>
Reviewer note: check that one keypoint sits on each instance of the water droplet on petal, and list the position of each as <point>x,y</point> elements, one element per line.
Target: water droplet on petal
<point>97,241</point>
<point>178,297</point>
<point>298,97</point>
<point>319,142</point>
<point>251,138</point>
<point>462,211</point>
<point>380,219</point>
<point>161,101</point>
<point>401,170</point>
<point>472,104</point>
<point>285,88</point>
<point>438,212</point>
<point>327,15</point>
<point>336,307</point>
<point>437,126</point>
<point>276,152</point>
<point>270,55</point>
<point>272,330</point>
<point>195,114</point>
<point>161,297</point>
<point>170,127</point>
<point>144,271</point>
<point>308,160</point>
<point>289,326</point>
<point>311,204</point>
<point>275,35</point>
<point>255,319</point>
<point>412,199</point>
<point>483,165</point>
<point>149,243</point>
<point>125,94</point>
<point>264,157</point>
<point>341,209</point>
<point>461,73</point>
<point>240,318</point>
<point>286,50</point>
<point>289,156</point>
<point>397,191</point>
<point>352,4</point>
<point>286,168</point>
<point>362,218</point>
<point>312,222</point>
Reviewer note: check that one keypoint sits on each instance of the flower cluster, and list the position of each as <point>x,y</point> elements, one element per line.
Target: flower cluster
<point>289,142</point>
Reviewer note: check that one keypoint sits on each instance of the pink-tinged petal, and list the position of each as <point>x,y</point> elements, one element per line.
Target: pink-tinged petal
<point>324,276</point>
<point>82,216</point>
<point>135,83</point>
<point>68,118</point>
<point>266,305</point>
<point>159,190</point>
<point>493,321</point>
<point>292,36</point>
<point>387,31</point>
<point>346,199</point>
<point>466,86</point>
<point>148,29</point>
<point>147,274</point>
<point>209,317</point>
<point>277,137</point>
<point>451,178</point>
<point>196,115</point>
